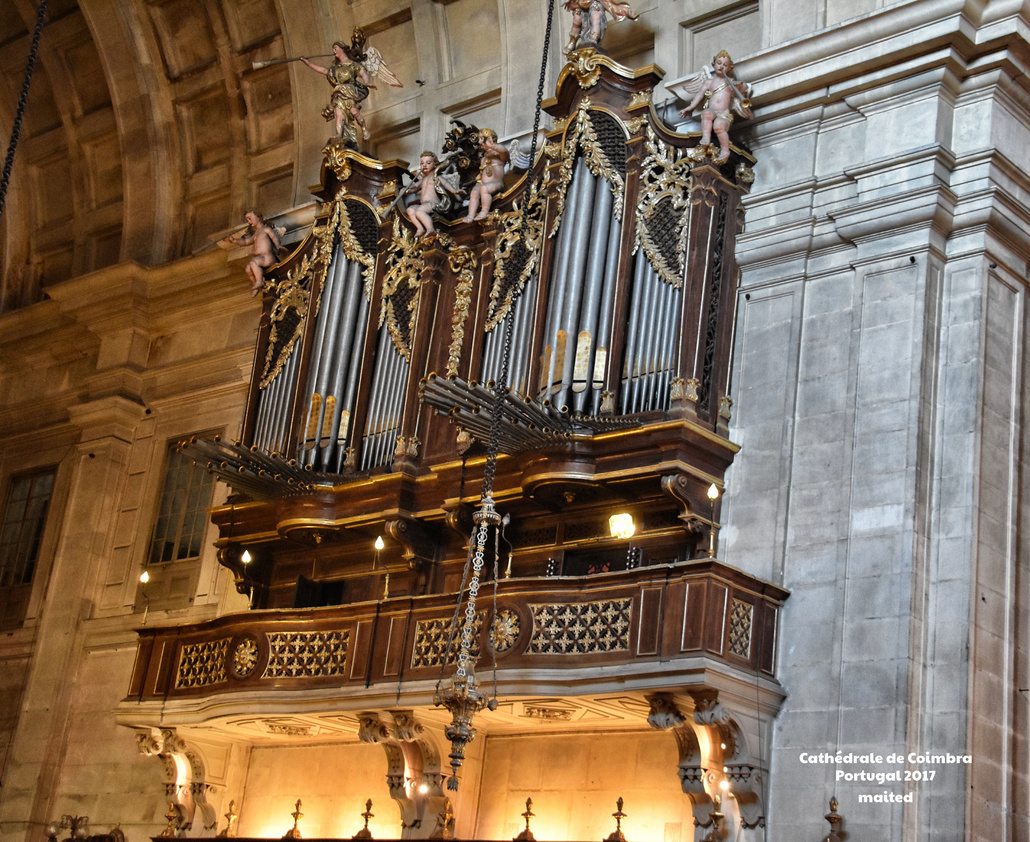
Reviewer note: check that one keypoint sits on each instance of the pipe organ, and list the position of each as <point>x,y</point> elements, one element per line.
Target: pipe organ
<point>587,323</point>
<point>622,305</point>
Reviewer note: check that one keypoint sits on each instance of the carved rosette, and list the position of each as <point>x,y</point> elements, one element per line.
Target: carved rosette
<point>244,657</point>
<point>505,631</point>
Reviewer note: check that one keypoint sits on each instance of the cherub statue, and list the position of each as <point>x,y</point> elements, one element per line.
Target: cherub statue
<point>432,193</point>
<point>491,175</point>
<point>266,244</point>
<point>351,74</point>
<point>597,22</point>
<point>724,97</point>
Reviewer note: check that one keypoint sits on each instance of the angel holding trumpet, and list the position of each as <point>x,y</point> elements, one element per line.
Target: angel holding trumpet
<point>724,97</point>
<point>354,67</point>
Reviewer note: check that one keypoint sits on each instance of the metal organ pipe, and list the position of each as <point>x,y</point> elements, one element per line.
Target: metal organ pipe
<point>580,363</point>
<point>323,346</point>
<point>347,347</point>
<point>605,316</point>
<point>632,343</point>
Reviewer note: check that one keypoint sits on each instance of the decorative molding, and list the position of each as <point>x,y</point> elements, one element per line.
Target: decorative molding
<point>581,628</point>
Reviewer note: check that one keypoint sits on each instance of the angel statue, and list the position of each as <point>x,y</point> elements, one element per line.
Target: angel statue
<point>265,241</point>
<point>597,22</point>
<point>354,67</point>
<point>724,97</point>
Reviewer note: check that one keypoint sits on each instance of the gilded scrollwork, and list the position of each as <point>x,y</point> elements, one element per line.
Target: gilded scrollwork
<point>586,66</point>
<point>509,277</point>
<point>583,134</point>
<point>640,99</point>
<point>404,264</point>
<point>663,224</point>
<point>463,264</point>
<point>336,158</point>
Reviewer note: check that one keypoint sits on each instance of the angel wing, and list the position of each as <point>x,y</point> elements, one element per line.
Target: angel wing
<point>375,66</point>
<point>519,159</point>
<point>687,89</point>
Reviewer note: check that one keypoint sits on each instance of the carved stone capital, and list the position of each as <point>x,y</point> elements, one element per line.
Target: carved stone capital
<point>664,714</point>
<point>371,729</point>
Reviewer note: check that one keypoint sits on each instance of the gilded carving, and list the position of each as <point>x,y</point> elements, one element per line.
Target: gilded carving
<point>581,134</point>
<point>306,654</point>
<point>506,289</point>
<point>463,263</point>
<point>201,664</point>
<point>663,225</point>
<point>401,288</point>
<point>335,155</point>
<point>640,99</point>
<point>581,628</point>
<point>585,66</point>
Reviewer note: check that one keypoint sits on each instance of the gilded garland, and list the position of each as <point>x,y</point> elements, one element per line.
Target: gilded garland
<point>582,134</point>
<point>404,263</point>
<point>505,290</point>
<point>463,263</point>
<point>663,224</point>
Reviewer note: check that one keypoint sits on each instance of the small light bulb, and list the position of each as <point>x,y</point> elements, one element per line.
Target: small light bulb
<point>423,788</point>
<point>713,492</point>
<point>379,542</point>
<point>246,558</point>
<point>144,577</point>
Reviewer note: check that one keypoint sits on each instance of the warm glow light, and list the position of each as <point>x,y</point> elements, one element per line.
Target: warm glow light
<point>622,525</point>
<point>246,558</point>
<point>423,788</point>
<point>713,492</point>
<point>144,577</point>
<point>379,542</point>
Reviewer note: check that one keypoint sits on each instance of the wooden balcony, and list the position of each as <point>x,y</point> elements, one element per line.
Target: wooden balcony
<point>675,625</point>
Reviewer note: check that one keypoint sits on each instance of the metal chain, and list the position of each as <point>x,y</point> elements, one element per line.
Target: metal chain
<point>23,100</point>
<point>501,386</point>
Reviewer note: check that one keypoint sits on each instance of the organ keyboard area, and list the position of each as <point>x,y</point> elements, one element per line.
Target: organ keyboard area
<point>612,329</point>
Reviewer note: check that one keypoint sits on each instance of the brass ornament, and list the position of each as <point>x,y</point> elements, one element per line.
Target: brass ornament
<point>463,263</point>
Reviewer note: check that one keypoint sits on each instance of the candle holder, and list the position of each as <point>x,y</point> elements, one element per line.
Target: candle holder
<point>617,835</point>
<point>365,833</point>
<point>527,834</point>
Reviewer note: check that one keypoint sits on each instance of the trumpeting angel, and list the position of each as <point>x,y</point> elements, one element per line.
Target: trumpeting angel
<point>354,67</point>
<point>724,98</point>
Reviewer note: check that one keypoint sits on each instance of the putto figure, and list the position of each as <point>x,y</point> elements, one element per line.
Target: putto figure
<point>265,244</point>
<point>432,194</point>
<point>354,67</point>
<point>596,22</point>
<point>491,175</point>
<point>724,97</point>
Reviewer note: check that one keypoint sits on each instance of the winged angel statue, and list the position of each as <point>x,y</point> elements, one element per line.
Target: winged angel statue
<point>724,98</point>
<point>354,67</point>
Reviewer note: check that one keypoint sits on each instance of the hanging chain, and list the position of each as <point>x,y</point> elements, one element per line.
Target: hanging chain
<point>23,101</point>
<point>486,518</point>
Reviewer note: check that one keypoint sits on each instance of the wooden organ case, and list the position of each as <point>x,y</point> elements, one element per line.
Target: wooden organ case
<point>370,405</point>
<point>618,365</point>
